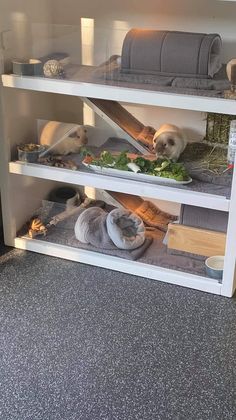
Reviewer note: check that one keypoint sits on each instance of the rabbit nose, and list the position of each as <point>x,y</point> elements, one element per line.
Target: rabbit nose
<point>160,149</point>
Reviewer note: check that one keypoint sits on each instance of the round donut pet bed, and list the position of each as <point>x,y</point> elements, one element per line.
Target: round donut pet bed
<point>120,228</point>
<point>125,229</point>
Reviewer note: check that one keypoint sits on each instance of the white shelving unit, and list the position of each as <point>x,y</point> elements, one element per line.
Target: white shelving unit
<point>161,192</point>
<point>21,180</point>
<point>121,94</point>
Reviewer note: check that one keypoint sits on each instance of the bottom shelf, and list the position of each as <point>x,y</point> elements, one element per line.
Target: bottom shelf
<point>137,268</point>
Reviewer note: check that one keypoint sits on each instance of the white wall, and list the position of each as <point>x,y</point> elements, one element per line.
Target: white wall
<point>114,18</point>
<point>184,15</point>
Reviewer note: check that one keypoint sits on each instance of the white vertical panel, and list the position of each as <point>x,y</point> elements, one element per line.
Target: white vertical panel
<point>229,279</point>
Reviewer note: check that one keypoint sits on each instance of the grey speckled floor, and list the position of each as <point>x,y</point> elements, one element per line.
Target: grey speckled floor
<point>78,342</point>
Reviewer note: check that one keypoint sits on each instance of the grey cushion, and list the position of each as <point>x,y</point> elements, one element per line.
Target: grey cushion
<point>171,53</point>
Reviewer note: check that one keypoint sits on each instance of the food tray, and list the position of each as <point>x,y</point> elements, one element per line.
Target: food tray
<point>135,176</point>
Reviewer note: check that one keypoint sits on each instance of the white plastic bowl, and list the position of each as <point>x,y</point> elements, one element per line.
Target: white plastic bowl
<point>215,266</point>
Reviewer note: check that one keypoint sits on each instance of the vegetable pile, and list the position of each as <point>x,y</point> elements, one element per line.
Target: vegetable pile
<point>30,147</point>
<point>160,167</point>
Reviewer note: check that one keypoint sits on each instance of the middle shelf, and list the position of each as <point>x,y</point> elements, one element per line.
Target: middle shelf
<point>200,194</point>
<point>126,94</point>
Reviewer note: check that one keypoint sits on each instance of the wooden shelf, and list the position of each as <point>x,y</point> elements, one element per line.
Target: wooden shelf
<point>144,189</point>
<point>121,94</point>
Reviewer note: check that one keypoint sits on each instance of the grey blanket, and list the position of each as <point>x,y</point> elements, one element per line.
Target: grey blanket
<point>171,53</point>
<point>112,76</point>
<point>111,72</point>
<point>151,252</point>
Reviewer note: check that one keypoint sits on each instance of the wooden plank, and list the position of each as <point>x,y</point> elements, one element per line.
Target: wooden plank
<point>125,120</point>
<point>196,241</point>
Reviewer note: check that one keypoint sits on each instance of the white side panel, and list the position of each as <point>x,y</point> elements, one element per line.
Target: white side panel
<point>229,279</point>
<point>18,124</point>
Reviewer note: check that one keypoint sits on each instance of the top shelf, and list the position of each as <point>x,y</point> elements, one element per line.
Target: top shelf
<point>122,94</point>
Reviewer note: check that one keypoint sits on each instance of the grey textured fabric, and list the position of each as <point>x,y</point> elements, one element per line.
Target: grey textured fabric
<point>171,53</point>
<point>140,78</point>
<point>107,76</point>
<point>125,229</point>
<point>131,255</point>
<point>151,252</point>
<point>198,83</point>
<point>120,228</point>
<point>111,72</point>
<point>203,218</point>
<point>90,228</point>
<point>204,178</point>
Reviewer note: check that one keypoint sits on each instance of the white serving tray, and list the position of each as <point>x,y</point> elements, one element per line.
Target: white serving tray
<point>136,176</point>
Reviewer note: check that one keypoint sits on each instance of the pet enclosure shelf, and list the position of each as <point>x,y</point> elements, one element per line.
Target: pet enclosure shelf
<point>144,189</point>
<point>121,94</point>
<point>119,264</point>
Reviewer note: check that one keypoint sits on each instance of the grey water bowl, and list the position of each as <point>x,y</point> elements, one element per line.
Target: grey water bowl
<point>65,195</point>
<point>29,152</point>
<point>32,67</point>
<point>215,267</point>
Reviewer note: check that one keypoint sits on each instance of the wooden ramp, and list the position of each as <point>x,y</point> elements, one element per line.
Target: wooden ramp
<point>148,211</point>
<point>116,114</point>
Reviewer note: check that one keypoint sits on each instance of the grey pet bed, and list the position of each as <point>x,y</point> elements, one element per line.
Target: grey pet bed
<point>120,228</point>
<point>171,53</point>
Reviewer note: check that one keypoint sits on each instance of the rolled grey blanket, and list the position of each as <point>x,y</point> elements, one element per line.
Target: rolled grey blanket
<point>119,229</point>
<point>171,53</point>
<point>90,228</point>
